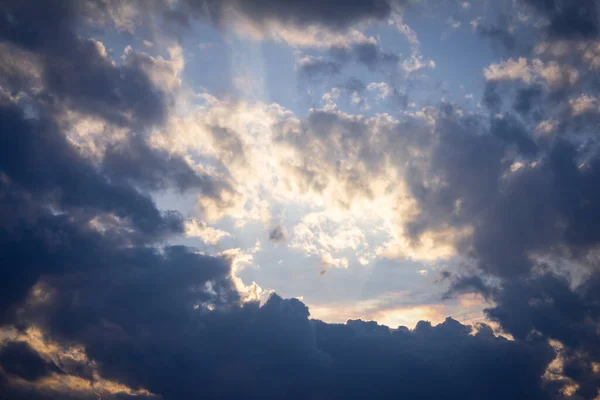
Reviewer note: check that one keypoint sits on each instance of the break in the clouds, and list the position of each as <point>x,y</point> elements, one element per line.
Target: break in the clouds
<point>299,199</point>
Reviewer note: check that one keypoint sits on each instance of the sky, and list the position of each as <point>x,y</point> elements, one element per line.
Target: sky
<point>301,199</point>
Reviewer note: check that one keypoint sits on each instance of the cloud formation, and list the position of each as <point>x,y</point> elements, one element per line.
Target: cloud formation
<point>99,298</point>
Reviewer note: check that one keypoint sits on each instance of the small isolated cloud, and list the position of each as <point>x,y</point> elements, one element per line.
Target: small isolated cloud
<point>454,23</point>
<point>207,45</point>
<point>416,63</point>
<point>278,234</point>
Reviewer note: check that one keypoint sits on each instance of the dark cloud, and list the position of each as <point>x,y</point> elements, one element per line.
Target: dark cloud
<point>514,213</point>
<point>19,359</point>
<point>37,158</point>
<point>511,131</point>
<point>569,19</point>
<point>275,349</point>
<point>491,99</point>
<point>75,70</point>
<point>526,99</point>
<point>53,198</point>
<point>549,306</point>
<point>469,161</point>
<point>467,284</point>
<point>333,14</point>
<point>368,356</point>
<point>544,19</point>
<point>154,169</point>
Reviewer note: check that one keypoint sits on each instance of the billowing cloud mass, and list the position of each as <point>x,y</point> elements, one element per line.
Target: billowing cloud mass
<point>188,187</point>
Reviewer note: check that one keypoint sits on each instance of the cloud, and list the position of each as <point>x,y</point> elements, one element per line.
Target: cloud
<point>367,52</point>
<point>383,89</point>
<point>55,196</point>
<point>302,24</point>
<point>69,181</point>
<point>277,234</point>
<point>322,235</point>
<point>387,91</point>
<point>251,338</point>
<point>568,19</point>
<point>555,310</point>
<point>416,63</point>
<point>331,13</point>
<point>311,67</point>
<point>19,359</point>
<point>154,169</point>
<point>90,261</point>
<point>78,73</point>
<point>553,74</point>
<point>208,234</point>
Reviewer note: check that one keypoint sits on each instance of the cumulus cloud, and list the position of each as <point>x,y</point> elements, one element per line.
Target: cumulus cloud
<point>329,354</point>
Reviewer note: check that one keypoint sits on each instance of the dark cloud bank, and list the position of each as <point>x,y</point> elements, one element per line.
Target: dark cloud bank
<point>168,319</point>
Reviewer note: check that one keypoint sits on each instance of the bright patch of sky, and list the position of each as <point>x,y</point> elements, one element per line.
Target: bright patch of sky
<point>332,254</point>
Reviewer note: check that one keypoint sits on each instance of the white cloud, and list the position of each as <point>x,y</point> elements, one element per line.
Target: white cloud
<point>239,260</point>
<point>322,235</point>
<point>416,63</point>
<point>383,89</point>
<point>208,234</point>
<point>528,72</point>
<point>315,35</point>
<point>546,127</point>
<point>397,19</point>
<point>584,104</point>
